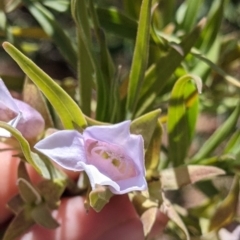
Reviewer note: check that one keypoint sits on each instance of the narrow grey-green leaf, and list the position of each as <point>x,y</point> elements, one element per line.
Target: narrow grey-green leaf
<point>191,14</point>
<point>42,216</point>
<point>23,143</point>
<point>116,22</point>
<point>86,65</point>
<point>157,74</point>
<point>140,56</point>
<point>211,30</point>
<point>106,63</point>
<point>19,225</point>
<point>226,211</point>
<point>60,5</point>
<point>179,125</point>
<point>50,25</point>
<point>175,178</point>
<point>67,109</point>
<point>145,126</point>
<point>152,156</point>
<point>217,69</point>
<point>148,218</point>
<point>28,192</point>
<point>47,169</point>
<point>11,5</point>
<point>218,136</point>
<point>93,70</point>
<point>233,144</point>
<point>168,209</point>
<point>16,204</point>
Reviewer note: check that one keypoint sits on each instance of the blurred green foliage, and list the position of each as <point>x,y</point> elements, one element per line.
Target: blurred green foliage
<point>129,59</point>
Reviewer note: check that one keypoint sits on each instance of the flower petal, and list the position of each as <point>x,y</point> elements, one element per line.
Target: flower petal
<point>115,134</point>
<point>119,134</point>
<point>120,187</point>
<point>65,148</point>
<point>8,107</point>
<point>96,177</point>
<point>32,123</point>
<point>13,123</point>
<point>137,183</point>
<point>224,234</point>
<point>134,148</point>
<point>9,111</point>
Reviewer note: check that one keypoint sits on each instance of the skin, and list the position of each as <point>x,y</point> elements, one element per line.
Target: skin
<point>118,220</point>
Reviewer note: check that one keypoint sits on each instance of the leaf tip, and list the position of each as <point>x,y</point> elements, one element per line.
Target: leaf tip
<point>5,44</point>
<point>202,23</point>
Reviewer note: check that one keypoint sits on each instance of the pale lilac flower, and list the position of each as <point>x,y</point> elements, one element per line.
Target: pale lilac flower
<point>224,234</point>
<point>109,154</point>
<point>19,115</point>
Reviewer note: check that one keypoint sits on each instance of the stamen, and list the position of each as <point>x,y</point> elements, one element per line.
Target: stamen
<point>104,155</point>
<point>116,162</point>
<point>110,160</point>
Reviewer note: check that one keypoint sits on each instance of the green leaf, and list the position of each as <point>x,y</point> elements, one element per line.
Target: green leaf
<point>42,165</point>
<point>175,178</point>
<point>182,118</point>
<point>22,171</point>
<point>86,65</point>
<point>168,209</point>
<point>19,225</point>
<point>60,5</point>
<point>226,212</point>
<point>148,218</point>
<point>16,204</point>
<point>145,126</point>
<point>112,20</point>
<point>91,69</point>
<point>211,30</point>
<point>152,156</point>
<point>158,73</point>
<point>27,191</point>
<point>42,216</point>
<point>218,136</point>
<point>67,109</point>
<point>167,13</point>
<point>142,202</point>
<point>11,5</point>
<point>48,170</point>
<point>23,143</point>
<point>3,20</point>
<point>155,189</point>
<point>190,15</point>
<point>106,63</point>
<point>132,8</point>
<point>51,191</point>
<point>233,144</point>
<point>140,56</point>
<point>93,122</point>
<point>50,25</point>
<point>99,197</point>
<point>217,69</point>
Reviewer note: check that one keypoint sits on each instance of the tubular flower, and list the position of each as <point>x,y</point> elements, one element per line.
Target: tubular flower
<point>224,234</point>
<point>109,154</point>
<point>19,115</point>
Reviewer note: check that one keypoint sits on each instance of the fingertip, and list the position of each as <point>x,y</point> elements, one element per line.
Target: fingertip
<point>118,220</point>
